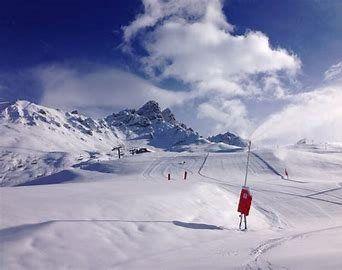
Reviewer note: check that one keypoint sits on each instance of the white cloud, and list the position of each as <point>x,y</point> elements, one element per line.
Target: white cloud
<point>192,41</point>
<point>316,115</point>
<point>100,89</point>
<point>157,10</point>
<point>203,51</point>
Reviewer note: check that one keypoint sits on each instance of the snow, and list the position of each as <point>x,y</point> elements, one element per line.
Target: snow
<point>317,249</point>
<point>134,218</point>
<point>72,204</point>
<point>117,219</point>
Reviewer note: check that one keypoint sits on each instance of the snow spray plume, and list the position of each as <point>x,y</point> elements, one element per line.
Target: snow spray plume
<point>316,115</point>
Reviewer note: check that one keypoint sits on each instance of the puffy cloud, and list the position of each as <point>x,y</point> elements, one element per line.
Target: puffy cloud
<point>157,10</point>
<point>197,46</point>
<point>101,90</point>
<point>316,115</point>
<point>192,41</point>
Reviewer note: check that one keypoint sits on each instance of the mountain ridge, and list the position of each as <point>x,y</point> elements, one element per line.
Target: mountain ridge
<point>159,128</point>
<point>229,138</point>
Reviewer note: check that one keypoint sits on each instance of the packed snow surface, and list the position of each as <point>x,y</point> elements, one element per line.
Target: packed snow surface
<point>106,213</point>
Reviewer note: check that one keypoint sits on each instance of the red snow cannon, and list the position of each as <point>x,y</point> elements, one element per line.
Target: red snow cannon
<point>245,201</point>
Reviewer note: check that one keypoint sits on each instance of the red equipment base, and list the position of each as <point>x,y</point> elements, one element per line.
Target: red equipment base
<point>245,201</point>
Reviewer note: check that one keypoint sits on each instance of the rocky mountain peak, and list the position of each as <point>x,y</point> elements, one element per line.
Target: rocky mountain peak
<point>228,138</point>
<point>151,110</point>
<point>169,116</point>
<point>160,128</point>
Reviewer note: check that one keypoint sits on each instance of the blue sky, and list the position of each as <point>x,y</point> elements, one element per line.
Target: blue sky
<point>57,42</point>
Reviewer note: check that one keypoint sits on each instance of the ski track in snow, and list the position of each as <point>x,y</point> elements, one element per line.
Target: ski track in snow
<point>267,245</point>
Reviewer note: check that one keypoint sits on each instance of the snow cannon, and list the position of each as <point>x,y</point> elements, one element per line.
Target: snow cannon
<point>244,206</point>
<point>245,201</point>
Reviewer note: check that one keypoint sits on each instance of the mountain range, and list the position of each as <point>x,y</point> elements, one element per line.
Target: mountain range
<point>37,140</point>
<point>24,123</point>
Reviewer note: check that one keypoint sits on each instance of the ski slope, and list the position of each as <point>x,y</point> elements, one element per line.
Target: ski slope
<point>106,213</point>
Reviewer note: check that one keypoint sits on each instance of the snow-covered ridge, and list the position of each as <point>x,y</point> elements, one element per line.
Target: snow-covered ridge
<point>56,130</point>
<point>228,138</point>
<point>25,124</point>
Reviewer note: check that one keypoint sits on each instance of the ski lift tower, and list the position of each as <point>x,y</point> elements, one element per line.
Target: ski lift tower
<point>118,148</point>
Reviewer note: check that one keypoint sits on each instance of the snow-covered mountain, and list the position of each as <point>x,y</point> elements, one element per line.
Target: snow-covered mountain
<point>228,138</point>
<point>36,141</point>
<point>27,125</point>
<point>159,128</point>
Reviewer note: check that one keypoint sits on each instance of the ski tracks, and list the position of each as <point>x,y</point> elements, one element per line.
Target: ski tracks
<point>257,253</point>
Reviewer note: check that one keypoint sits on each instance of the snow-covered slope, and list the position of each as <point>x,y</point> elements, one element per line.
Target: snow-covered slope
<point>135,218</point>
<point>27,125</point>
<point>37,141</point>
<point>159,128</point>
<point>228,138</point>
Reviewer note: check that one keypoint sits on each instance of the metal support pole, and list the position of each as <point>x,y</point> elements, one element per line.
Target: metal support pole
<point>247,165</point>
<point>244,219</point>
<point>240,222</point>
